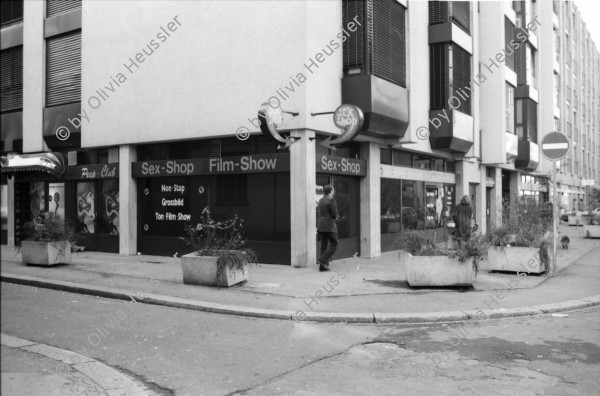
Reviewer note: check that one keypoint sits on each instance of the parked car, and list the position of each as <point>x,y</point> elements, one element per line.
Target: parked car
<point>565,216</point>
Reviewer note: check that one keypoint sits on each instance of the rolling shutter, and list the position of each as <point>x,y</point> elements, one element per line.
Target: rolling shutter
<point>11,11</point>
<point>55,7</point>
<point>11,76</point>
<point>461,13</point>
<point>388,41</point>
<point>461,77</point>
<point>438,12</point>
<point>509,105</point>
<point>509,35</point>
<point>354,44</point>
<point>438,75</point>
<point>63,69</point>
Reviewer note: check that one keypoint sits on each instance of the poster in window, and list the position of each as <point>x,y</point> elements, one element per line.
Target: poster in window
<point>109,207</point>
<point>86,211</point>
<point>56,199</point>
<point>37,194</point>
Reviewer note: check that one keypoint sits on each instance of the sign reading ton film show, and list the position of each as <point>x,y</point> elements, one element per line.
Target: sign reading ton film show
<point>259,163</point>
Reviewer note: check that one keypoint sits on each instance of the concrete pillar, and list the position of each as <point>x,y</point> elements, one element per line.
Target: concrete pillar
<point>10,201</point>
<point>515,182</point>
<point>496,199</point>
<point>370,203</point>
<point>34,54</point>
<point>127,202</point>
<point>462,180</point>
<point>302,200</point>
<point>481,199</point>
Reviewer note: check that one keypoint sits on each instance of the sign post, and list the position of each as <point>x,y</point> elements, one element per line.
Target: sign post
<point>555,146</point>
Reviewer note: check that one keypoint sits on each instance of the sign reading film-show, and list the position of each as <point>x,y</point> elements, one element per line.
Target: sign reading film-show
<point>341,165</point>
<point>259,163</point>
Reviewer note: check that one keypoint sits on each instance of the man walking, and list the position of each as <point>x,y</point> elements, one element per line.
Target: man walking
<point>326,227</point>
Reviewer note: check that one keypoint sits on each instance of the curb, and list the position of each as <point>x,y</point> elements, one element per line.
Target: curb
<point>106,377</point>
<point>327,317</point>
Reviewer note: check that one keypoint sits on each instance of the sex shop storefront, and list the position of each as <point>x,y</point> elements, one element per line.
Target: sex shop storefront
<point>87,196</point>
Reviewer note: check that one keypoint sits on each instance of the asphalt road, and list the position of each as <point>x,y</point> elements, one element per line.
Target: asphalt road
<point>185,352</point>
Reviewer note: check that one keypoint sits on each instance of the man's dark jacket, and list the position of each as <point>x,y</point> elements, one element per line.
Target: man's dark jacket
<point>328,212</point>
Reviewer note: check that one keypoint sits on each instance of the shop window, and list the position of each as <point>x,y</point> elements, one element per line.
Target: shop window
<point>401,158</point>
<point>56,199</point>
<point>439,165</point>
<point>421,162</point>
<point>391,205</point>
<point>232,189</point>
<point>86,208</point>
<point>109,207</point>
<point>450,166</point>
<point>385,156</point>
<point>413,205</point>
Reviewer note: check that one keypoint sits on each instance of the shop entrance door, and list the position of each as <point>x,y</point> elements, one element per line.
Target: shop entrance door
<point>97,214</point>
<point>346,194</point>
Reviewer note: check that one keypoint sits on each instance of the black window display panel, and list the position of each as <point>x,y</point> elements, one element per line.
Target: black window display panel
<point>265,212</point>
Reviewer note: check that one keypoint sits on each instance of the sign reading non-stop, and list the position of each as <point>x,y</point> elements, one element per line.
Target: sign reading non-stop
<point>555,146</point>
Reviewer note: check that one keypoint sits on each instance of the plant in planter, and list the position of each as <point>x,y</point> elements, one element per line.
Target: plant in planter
<point>49,240</point>
<point>521,244</point>
<point>429,265</point>
<point>219,257</point>
<point>591,225</point>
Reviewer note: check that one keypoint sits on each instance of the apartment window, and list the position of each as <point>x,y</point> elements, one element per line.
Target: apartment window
<point>56,7</point>
<point>557,45</point>
<point>531,66</point>
<point>509,34</point>
<point>12,79</point>
<point>526,119</point>
<point>556,89</point>
<point>10,12</point>
<point>384,52</point>
<point>457,11</point>
<point>449,77</point>
<point>509,120</point>
<point>63,69</point>
<point>556,125</point>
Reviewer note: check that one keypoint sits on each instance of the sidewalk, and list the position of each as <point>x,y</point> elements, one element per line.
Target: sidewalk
<point>356,290</point>
<point>31,369</point>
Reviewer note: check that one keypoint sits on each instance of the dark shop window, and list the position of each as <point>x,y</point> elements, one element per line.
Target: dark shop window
<point>232,189</point>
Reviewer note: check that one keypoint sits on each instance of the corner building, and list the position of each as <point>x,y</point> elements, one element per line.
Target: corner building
<point>130,123</point>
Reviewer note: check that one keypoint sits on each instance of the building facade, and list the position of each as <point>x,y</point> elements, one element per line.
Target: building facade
<point>130,123</point>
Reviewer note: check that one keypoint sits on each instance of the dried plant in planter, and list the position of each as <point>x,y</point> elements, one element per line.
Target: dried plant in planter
<point>223,239</point>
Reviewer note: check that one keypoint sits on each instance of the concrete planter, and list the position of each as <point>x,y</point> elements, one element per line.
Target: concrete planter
<point>575,221</point>
<point>438,271</point>
<point>514,259</point>
<point>46,253</point>
<point>591,231</point>
<point>202,270</point>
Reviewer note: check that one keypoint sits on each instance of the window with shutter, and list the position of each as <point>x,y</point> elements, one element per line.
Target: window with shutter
<point>11,11</point>
<point>63,69</point>
<point>510,109</point>
<point>354,44</point>
<point>12,79</point>
<point>55,7</point>
<point>378,46</point>
<point>461,14</point>
<point>438,75</point>
<point>445,11</point>
<point>461,78</point>
<point>388,41</point>
<point>509,35</point>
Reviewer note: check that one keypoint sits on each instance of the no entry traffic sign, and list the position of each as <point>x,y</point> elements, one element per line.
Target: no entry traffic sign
<point>555,146</point>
